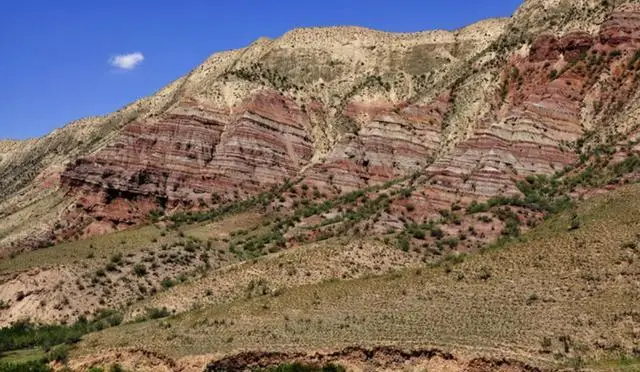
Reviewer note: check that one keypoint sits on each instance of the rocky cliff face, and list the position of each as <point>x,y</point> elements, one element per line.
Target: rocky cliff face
<point>343,108</point>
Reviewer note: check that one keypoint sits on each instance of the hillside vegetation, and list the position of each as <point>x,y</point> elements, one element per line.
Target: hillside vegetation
<point>560,296</point>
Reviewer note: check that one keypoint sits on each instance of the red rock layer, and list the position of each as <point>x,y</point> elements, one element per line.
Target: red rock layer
<point>542,111</point>
<point>622,27</point>
<point>153,158</point>
<point>194,151</point>
<point>391,144</point>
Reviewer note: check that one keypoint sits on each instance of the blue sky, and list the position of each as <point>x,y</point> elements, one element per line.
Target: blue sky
<point>57,57</point>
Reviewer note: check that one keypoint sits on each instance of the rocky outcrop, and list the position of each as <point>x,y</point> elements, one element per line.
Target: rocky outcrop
<point>195,156</point>
<point>378,358</point>
<point>622,27</point>
<point>344,108</point>
<point>394,142</point>
<point>540,112</point>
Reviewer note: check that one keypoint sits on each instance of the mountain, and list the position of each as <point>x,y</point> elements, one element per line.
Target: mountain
<point>342,108</point>
<point>204,132</point>
<point>308,166</point>
<point>358,106</point>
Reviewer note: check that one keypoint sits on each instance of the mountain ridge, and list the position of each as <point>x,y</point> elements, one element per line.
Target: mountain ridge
<point>339,82</point>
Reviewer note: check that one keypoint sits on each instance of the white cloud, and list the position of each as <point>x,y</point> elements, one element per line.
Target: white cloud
<point>126,61</point>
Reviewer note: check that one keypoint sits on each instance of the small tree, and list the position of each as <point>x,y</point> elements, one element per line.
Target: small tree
<point>575,222</point>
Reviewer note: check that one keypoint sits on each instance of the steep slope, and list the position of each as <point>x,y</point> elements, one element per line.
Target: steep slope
<point>248,119</point>
<point>32,200</point>
<point>553,90</point>
<point>273,108</point>
<point>475,110</point>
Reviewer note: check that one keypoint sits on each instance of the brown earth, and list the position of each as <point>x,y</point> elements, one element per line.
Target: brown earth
<point>355,359</point>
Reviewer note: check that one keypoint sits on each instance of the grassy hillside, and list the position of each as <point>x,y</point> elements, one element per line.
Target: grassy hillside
<point>565,294</point>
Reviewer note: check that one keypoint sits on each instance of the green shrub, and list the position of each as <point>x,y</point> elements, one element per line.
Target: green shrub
<point>116,368</point>
<point>23,334</point>
<point>155,215</point>
<point>167,283</point>
<point>485,273</point>
<point>117,258</point>
<point>59,353</point>
<point>451,242</point>
<point>114,320</point>
<point>140,270</point>
<point>546,345</point>
<point>575,222</point>
<point>32,366</point>
<point>416,231</point>
<point>436,232</point>
<point>511,222</point>
<point>418,234</point>
<point>455,258</point>
<point>511,228</point>
<point>403,242</point>
<point>155,313</point>
<point>476,207</point>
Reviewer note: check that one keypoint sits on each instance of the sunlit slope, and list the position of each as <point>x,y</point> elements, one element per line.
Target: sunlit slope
<point>558,296</point>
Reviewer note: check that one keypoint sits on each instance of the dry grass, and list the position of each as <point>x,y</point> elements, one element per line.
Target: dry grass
<point>77,251</point>
<point>22,356</point>
<point>61,283</point>
<point>580,286</point>
<point>273,274</point>
<point>129,241</point>
<point>223,228</point>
